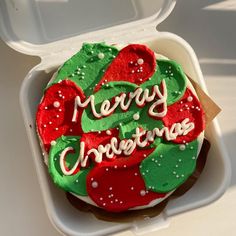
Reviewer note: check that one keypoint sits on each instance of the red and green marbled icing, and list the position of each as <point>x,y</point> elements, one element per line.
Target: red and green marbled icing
<point>149,173</point>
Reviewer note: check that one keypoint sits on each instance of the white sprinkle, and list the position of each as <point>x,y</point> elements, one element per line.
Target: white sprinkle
<point>179,160</point>
<point>161,156</point>
<point>193,158</point>
<point>159,164</point>
<point>77,181</point>
<point>191,147</point>
<point>181,102</point>
<point>140,61</point>
<point>57,116</point>
<point>84,66</point>
<point>171,74</point>
<point>182,175</point>
<point>144,155</point>
<point>101,198</point>
<point>176,166</point>
<point>116,200</point>
<point>177,176</point>
<point>132,71</point>
<point>115,166</point>
<point>131,62</point>
<point>149,78</point>
<point>166,71</point>
<point>82,73</point>
<point>56,104</point>
<point>132,188</point>
<point>108,132</point>
<point>140,79</point>
<point>182,147</point>
<point>56,128</point>
<point>94,184</point>
<point>189,98</point>
<point>136,116</point>
<point>44,126</point>
<point>186,105</point>
<point>70,130</point>
<point>174,172</point>
<point>111,201</point>
<point>91,179</point>
<point>104,204</point>
<point>120,124</point>
<point>135,174</point>
<point>110,188</point>
<point>110,49</point>
<point>60,109</point>
<point>50,122</point>
<point>121,202</point>
<point>142,193</point>
<point>184,141</point>
<point>125,166</point>
<point>99,132</point>
<point>107,169</point>
<point>53,142</point>
<point>45,108</point>
<point>147,171</point>
<point>59,91</point>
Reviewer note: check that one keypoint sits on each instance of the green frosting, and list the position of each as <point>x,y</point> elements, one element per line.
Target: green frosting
<point>85,68</point>
<point>174,77</point>
<point>145,122</point>
<point>74,183</point>
<point>168,166</point>
<point>89,122</point>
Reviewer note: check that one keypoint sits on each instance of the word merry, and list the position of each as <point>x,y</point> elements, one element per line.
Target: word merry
<point>140,96</point>
<point>126,146</point>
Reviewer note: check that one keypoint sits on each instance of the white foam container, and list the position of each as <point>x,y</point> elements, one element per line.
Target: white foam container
<point>54,30</point>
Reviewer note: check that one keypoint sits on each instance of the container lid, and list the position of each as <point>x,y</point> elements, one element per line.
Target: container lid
<point>37,27</point>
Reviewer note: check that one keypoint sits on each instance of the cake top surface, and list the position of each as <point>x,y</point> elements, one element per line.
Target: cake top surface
<point>122,127</point>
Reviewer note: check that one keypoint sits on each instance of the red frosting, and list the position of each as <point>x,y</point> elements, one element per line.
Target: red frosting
<point>58,120</point>
<point>119,189</point>
<point>186,109</point>
<point>127,66</point>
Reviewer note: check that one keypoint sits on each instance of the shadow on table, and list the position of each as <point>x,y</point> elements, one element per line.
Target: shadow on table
<point>229,140</point>
<point>209,30</point>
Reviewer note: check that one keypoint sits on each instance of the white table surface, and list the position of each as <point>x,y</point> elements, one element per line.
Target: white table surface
<point>209,26</point>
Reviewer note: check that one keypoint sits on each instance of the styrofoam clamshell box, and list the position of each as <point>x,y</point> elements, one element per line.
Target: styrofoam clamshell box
<point>54,30</point>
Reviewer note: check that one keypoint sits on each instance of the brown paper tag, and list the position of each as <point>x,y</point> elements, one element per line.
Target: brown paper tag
<point>210,108</point>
